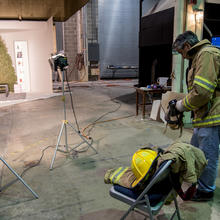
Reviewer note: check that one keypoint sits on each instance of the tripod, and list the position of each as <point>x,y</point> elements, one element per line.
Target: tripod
<point>35,195</point>
<point>64,125</point>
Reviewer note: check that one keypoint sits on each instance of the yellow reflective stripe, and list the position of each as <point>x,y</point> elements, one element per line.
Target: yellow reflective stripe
<point>208,117</point>
<point>205,80</point>
<point>119,176</point>
<point>187,104</point>
<point>190,88</point>
<point>209,120</point>
<point>206,123</point>
<point>205,83</point>
<point>114,175</point>
<point>204,86</point>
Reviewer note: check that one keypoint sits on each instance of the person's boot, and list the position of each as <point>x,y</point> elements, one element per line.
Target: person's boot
<point>201,196</point>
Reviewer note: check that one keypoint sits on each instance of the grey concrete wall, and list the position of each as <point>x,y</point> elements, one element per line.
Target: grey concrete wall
<point>59,36</point>
<point>118,35</point>
<point>92,21</point>
<point>70,46</point>
<point>147,5</point>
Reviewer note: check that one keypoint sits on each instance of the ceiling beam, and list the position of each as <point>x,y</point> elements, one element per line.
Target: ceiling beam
<point>60,10</point>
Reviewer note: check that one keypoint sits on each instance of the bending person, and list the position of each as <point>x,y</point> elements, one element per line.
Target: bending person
<point>203,99</point>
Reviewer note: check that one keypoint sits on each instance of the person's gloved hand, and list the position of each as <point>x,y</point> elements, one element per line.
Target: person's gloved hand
<point>179,106</point>
<point>173,117</point>
<point>188,194</point>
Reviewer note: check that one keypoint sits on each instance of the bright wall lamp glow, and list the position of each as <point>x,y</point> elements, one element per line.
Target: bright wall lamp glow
<point>198,14</point>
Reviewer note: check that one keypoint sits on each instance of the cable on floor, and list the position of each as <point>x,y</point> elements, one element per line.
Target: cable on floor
<point>31,165</point>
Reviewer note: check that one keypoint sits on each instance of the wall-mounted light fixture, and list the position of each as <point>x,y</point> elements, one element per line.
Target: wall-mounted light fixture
<point>194,2</point>
<point>198,15</point>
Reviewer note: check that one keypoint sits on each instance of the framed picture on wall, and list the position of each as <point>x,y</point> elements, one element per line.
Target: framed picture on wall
<point>22,65</point>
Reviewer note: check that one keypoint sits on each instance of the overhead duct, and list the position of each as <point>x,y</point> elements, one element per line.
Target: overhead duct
<point>60,10</point>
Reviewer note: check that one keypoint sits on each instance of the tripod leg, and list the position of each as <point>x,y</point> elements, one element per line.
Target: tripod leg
<point>58,141</point>
<point>65,132</point>
<point>83,138</point>
<point>35,195</point>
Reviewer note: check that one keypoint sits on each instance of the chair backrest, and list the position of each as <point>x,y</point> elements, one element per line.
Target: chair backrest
<point>161,174</point>
<point>142,202</point>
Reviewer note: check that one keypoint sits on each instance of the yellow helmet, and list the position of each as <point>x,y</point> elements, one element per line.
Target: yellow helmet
<point>142,161</point>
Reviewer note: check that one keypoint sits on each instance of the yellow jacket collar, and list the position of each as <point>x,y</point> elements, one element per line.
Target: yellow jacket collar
<point>191,53</point>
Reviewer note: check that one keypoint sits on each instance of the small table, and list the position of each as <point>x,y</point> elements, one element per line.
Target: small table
<point>149,92</point>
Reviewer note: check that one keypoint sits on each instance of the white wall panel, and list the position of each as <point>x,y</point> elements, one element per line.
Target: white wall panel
<point>39,38</point>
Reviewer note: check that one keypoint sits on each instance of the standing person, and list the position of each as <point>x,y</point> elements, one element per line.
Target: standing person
<point>203,99</point>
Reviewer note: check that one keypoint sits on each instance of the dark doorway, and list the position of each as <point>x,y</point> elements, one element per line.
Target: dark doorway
<point>156,61</point>
<point>155,44</point>
<point>212,20</point>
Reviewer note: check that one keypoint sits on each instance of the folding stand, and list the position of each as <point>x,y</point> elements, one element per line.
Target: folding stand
<point>35,195</point>
<point>64,126</point>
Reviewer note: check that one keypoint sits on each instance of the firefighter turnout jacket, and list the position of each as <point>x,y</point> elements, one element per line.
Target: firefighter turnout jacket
<point>203,79</point>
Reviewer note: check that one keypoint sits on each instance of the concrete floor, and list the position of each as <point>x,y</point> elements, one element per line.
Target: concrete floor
<point>75,189</point>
